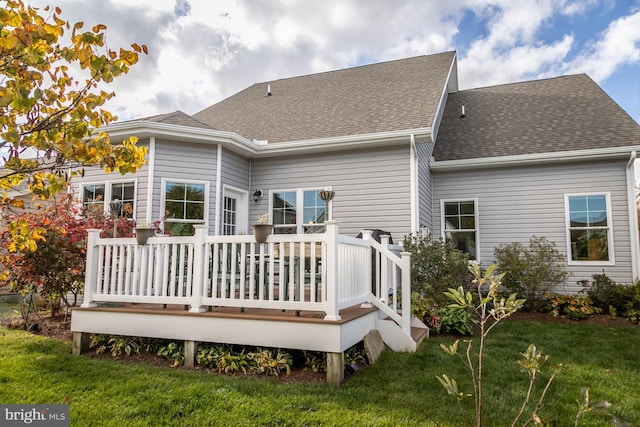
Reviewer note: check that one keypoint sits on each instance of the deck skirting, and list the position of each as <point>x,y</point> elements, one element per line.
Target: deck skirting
<point>250,328</point>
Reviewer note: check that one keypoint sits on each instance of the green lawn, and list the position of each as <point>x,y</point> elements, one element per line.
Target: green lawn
<point>400,389</point>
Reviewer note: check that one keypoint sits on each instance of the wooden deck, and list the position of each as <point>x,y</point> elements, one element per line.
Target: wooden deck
<point>346,315</point>
<point>317,292</point>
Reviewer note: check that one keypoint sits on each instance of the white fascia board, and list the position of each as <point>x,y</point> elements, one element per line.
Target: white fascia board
<point>437,118</point>
<point>254,148</point>
<point>532,159</point>
<point>143,129</point>
<point>371,140</point>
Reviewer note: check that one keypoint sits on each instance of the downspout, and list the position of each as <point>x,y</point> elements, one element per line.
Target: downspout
<point>633,215</point>
<point>413,171</point>
<point>218,200</point>
<point>150,175</point>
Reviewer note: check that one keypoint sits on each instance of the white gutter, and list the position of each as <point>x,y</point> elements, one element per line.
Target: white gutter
<point>633,215</point>
<point>254,148</point>
<point>150,175</point>
<point>218,191</point>
<point>413,175</point>
<point>530,159</point>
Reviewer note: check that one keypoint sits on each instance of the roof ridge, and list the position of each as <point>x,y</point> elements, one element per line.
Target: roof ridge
<point>355,67</point>
<point>543,79</point>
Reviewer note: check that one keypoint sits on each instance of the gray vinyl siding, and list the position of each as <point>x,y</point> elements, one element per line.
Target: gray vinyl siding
<point>519,202</point>
<point>235,170</point>
<point>372,186</point>
<point>184,161</point>
<point>425,186</point>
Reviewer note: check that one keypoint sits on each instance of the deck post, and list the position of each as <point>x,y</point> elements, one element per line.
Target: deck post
<point>405,265</point>
<point>368,235</point>
<point>335,368</point>
<point>80,343</point>
<point>190,348</point>
<point>332,261</point>
<point>91,269</point>
<point>199,254</point>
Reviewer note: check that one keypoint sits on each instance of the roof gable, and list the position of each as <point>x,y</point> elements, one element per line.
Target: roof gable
<point>542,116</point>
<point>388,96</point>
<point>175,118</point>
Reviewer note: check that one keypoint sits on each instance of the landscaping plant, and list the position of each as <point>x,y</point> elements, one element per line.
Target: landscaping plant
<point>490,310</point>
<point>531,270</point>
<point>574,307</point>
<point>436,265</point>
<point>49,116</point>
<point>54,269</point>
<point>614,298</point>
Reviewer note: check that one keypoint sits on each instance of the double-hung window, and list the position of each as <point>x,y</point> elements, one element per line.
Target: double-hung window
<point>96,197</point>
<point>297,211</point>
<point>185,204</point>
<point>589,228</point>
<point>459,220</point>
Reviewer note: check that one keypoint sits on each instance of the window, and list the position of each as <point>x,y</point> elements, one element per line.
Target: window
<point>185,204</point>
<point>297,211</point>
<point>96,197</point>
<point>460,225</point>
<point>589,231</point>
<point>229,214</point>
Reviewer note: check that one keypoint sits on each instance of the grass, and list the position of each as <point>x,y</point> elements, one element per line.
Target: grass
<point>400,389</point>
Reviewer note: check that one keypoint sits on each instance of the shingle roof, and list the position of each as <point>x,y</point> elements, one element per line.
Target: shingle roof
<point>176,118</point>
<point>387,96</point>
<point>557,114</point>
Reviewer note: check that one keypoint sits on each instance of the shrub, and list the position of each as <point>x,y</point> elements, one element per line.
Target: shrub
<point>574,307</point>
<point>173,352</point>
<point>531,270</point>
<point>316,361</point>
<point>270,362</point>
<point>455,320</point>
<point>436,266</point>
<point>606,294</point>
<point>614,298</point>
<point>425,309</point>
<point>208,355</point>
<point>117,345</point>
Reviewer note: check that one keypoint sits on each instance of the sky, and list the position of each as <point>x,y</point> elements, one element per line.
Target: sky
<point>202,51</point>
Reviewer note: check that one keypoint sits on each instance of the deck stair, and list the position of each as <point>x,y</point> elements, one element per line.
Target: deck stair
<point>396,339</point>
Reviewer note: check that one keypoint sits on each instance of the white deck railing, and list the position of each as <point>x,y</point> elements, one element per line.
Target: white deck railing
<point>320,272</point>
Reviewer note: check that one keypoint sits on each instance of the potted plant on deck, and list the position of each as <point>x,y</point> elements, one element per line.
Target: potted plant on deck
<point>144,230</point>
<point>262,228</point>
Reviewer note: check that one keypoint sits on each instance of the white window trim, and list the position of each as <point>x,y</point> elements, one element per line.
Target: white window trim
<point>242,215</point>
<point>163,198</point>
<point>108,194</point>
<point>607,196</point>
<point>476,219</point>
<point>299,205</point>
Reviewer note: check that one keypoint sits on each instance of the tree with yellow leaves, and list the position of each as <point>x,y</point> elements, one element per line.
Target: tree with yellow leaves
<point>46,111</point>
<point>50,120</point>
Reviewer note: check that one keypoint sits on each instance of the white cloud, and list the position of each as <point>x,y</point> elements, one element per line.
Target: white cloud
<point>617,46</point>
<point>201,51</point>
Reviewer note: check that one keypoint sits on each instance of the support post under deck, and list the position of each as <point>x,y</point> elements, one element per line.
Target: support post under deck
<point>335,368</point>
<point>80,343</point>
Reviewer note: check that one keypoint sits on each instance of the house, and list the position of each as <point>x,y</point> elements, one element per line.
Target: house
<point>403,150</point>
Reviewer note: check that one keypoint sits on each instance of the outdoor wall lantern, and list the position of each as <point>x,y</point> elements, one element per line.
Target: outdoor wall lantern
<point>326,196</point>
<point>257,195</point>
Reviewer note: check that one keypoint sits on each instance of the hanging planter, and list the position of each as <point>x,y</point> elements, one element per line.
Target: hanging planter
<point>143,234</point>
<point>262,231</point>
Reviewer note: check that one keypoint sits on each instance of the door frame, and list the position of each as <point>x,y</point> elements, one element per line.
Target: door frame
<point>242,208</point>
